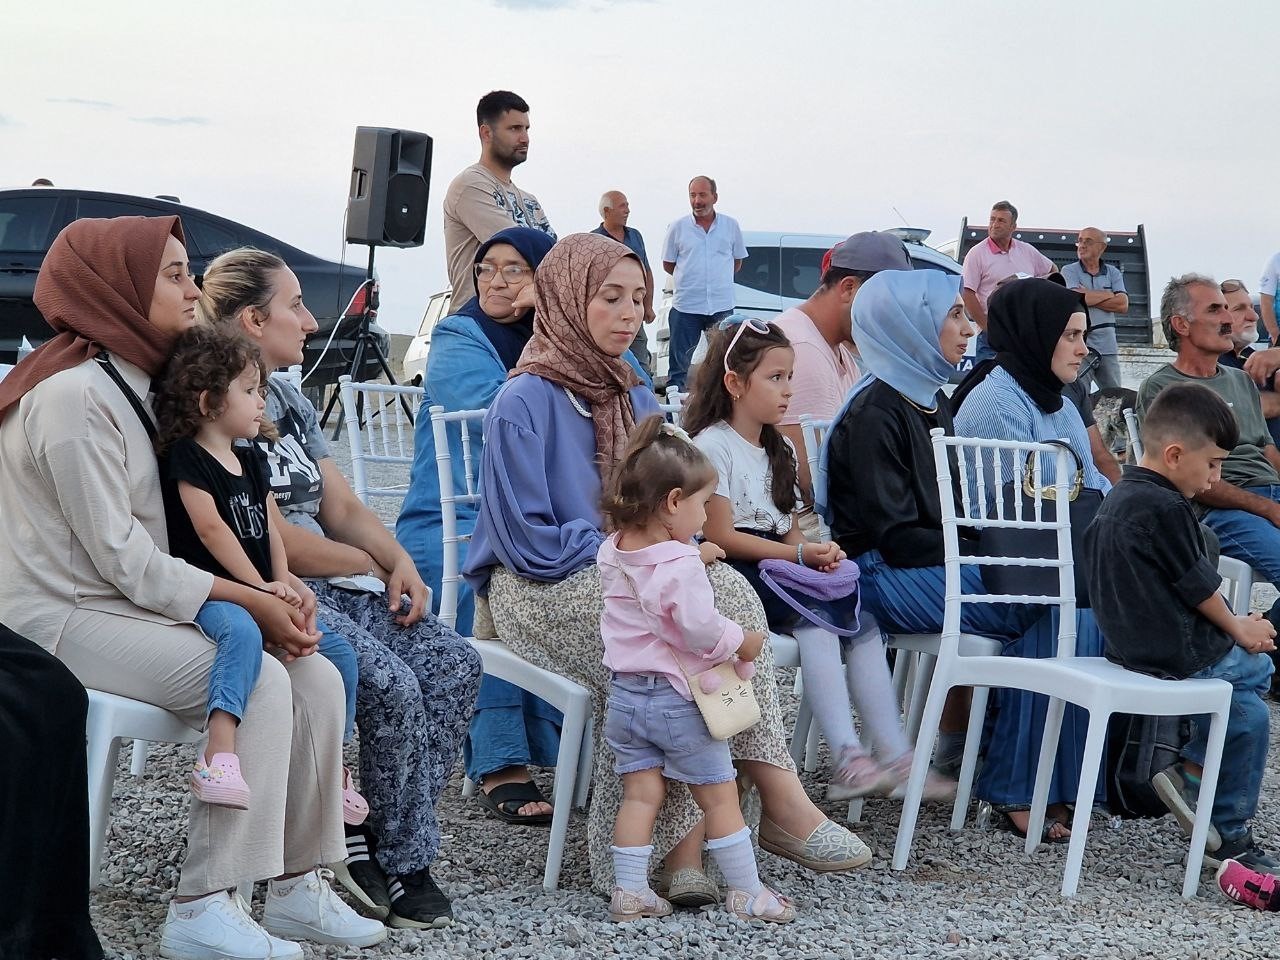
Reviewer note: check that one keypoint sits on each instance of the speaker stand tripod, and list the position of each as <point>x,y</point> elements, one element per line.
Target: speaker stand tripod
<point>367,345</point>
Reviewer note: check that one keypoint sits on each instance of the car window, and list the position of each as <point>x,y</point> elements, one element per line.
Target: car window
<point>801,269</point>
<point>436,308</point>
<point>919,263</point>
<point>209,238</point>
<point>94,207</point>
<point>760,271</point>
<point>25,223</point>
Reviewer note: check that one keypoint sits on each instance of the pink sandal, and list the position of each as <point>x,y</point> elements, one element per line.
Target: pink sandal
<point>354,807</point>
<point>219,781</point>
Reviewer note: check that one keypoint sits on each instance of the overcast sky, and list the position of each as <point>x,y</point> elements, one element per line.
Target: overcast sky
<point>812,116</point>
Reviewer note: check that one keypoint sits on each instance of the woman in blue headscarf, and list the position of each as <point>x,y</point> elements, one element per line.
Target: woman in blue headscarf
<point>882,504</point>
<point>472,353</point>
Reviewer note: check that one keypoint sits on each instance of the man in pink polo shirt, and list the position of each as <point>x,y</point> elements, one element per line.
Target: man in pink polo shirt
<point>1000,255</point>
<point>820,331</point>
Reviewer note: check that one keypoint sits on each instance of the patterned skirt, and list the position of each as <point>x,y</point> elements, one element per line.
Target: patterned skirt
<point>556,626</point>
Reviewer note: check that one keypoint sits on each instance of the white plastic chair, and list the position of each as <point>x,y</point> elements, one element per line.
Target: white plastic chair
<point>384,437</point>
<point>112,719</point>
<point>573,762</point>
<point>1135,436</point>
<point>1093,683</point>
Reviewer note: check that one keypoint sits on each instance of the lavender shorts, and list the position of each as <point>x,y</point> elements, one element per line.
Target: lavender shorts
<point>649,724</point>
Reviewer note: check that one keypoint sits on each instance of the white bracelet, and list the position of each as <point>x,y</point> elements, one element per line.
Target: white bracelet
<point>800,553</point>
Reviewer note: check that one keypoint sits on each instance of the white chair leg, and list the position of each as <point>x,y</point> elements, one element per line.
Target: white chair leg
<point>1044,772</point>
<point>800,734</point>
<point>812,742</point>
<point>1204,803</point>
<point>854,812</point>
<point>969,759</point>
<point>1089,768</point>
<point>925,665</point>
<point>468,786</point>
<point>245,890</point>
<point>901,669</point>
<point>919,770</point>
<point>138,761</point>
<point>572,729</point>
<point>102,752</point>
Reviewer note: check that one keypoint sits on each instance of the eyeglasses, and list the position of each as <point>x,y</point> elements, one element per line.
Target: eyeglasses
<point>511,273</point>
<point>742,322</point>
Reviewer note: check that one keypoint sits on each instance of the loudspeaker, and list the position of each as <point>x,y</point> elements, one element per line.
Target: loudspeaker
<point>390,177</point>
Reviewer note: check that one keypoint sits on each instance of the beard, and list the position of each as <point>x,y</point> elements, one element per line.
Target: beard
<point>512,157</point>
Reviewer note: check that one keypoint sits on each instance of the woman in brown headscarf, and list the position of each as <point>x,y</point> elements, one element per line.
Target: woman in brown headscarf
<point>553,430</point>
<point>84,574</point>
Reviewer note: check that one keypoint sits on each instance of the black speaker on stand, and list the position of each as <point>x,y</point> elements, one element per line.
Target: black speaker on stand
<point>386,207</point>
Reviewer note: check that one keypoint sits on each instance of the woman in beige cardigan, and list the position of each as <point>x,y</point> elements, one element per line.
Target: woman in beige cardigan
<point>84,573</point>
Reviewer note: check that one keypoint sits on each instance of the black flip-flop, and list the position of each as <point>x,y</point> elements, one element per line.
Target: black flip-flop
<point>505,800</point>
<point>1045,836</point>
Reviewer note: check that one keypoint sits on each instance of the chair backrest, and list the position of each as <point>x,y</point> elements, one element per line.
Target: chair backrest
<point>467,421</point>
<point>1237,584</point>
<point>1135,437</point>
<point>379,432</point>
<point>980,465</point>
<point>815,431</point>
<point>674,405</point>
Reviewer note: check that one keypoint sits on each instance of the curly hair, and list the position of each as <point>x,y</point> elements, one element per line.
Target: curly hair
<point>709,402</point>
<point>205,362</point>
<point>655,462</point>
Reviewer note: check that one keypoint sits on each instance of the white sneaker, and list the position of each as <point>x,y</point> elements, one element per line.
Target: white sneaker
<point>308,909</point>
<point>219,927</point>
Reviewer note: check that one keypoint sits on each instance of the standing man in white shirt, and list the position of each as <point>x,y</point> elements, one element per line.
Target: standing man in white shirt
<point>702,251</point>
<point>483,199</point>
<point>1267,299</point>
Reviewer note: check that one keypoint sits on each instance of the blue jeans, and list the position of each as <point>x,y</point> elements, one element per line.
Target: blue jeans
<point>1244,753</point>
<point>982,350</point>
<point>510,728</point>
<point>685,329</point>
<point>1249,537</point>
<point>239,658</point>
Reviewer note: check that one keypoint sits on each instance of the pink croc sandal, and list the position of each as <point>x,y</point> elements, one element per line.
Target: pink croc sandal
<point>218,781</point>
<point>354,807</point>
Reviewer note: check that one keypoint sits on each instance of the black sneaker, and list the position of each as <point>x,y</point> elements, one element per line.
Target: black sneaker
<point>417,903</point>
<point>362,876</point>
<point>1246,853</point>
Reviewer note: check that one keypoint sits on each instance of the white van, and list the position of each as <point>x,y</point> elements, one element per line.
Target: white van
<point>782,270</point>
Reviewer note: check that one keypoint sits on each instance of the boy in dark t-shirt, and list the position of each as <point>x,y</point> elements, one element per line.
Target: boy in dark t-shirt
<point>1155,596</point>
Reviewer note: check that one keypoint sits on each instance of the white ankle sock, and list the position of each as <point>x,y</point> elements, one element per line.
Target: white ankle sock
<point>871,687</point>
<point>631,867</point>
<point>737,861</point>
<point>824,686</point>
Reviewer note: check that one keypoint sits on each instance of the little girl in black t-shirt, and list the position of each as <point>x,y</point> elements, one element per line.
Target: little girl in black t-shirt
<point>209,401</point>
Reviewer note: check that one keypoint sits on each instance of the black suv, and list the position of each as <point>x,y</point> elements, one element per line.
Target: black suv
<point>31,218</point>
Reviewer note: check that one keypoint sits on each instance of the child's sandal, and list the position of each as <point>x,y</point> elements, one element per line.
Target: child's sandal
<point>218,781</point>
<point>355,809</point>
<point>768,905</point>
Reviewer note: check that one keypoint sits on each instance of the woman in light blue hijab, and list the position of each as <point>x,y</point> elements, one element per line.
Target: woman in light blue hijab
<point>882,504</point>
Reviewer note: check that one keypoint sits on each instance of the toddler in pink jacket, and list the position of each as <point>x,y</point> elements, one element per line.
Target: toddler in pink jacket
<point>661,629</point>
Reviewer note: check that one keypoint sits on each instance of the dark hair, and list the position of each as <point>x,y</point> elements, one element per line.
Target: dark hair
<point>497,102</point>
<point>709,402</point>
<point>1007,207</point>
<point>1190,414</point>
<point>655,462</point>
<point>834,275</point>
<point>710,182</point>
<point>204,358</point>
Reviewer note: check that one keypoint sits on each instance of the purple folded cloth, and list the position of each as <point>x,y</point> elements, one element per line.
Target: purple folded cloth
<point>826,600</point>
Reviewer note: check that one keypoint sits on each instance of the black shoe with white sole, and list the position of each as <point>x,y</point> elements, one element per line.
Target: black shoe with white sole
<point>362,876</point>
<point>417,903</point>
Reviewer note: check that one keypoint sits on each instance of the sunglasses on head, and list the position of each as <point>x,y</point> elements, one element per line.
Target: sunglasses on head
<point>742,322</point>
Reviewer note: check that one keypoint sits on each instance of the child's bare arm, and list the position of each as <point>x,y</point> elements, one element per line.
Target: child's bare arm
<point>1251,632</point>
<point>216,535</point>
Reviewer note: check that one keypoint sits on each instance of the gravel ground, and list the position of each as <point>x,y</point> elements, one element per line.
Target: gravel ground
<point>967,895</point>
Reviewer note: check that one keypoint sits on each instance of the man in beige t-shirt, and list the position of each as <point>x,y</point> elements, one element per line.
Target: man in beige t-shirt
<point>482,199</point>
<point>821,333</point>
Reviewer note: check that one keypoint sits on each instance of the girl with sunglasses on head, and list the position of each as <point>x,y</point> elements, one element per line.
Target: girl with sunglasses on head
<point>741,393</point>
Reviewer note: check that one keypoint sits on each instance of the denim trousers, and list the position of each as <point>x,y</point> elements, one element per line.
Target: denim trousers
<point>1244,753</point>
<point>1249,537</point>
<point>685,329</point>
<point>981,349</point>
<point>238,661</point>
